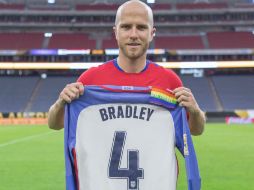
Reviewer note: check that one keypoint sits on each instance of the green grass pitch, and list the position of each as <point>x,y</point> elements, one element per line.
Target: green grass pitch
<point>31,158</point>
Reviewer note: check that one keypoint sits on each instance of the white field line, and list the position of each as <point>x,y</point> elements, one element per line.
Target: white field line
<point>24,139</point>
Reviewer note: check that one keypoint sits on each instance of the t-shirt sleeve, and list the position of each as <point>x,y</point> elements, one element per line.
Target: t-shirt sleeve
<point>175,80</point>
<point>86,77</point>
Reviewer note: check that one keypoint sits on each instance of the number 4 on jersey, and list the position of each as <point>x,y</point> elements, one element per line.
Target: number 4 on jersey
<point>133,173</point>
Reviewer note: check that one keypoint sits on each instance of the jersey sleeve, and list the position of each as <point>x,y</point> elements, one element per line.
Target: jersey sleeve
<point>69,136</point>
<point>87,76</point>
<point>174,79</point>
<point>185,145</point>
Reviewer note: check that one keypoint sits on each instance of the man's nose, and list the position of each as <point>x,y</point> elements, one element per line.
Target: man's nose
<point>134,32</point>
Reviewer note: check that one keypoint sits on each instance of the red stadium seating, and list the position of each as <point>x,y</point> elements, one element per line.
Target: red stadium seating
<point>230,39</point>
<point>201,5</point>
<point>179,42</point>
<point>71,41</point>
<point>50,8</point>
<point>244,5</point>
<point>94,7</point>
<point>21,40</point>
<point>110,43</point>
<point>161,6</point>
<point>12,6</point>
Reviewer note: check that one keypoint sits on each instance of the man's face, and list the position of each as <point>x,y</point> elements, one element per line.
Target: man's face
<point>133,32</point>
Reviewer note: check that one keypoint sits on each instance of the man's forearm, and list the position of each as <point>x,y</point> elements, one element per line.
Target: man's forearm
<point>197,122</point>
<point>56,116</point>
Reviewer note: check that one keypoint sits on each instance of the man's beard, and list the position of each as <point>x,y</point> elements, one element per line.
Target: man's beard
<point>133,55</point>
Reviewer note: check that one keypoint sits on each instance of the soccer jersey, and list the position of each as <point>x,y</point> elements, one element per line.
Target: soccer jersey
<point>119,137</point>
<point>110,73</point>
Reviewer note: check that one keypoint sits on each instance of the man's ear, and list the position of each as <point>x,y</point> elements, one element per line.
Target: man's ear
<point>115,32</point>
<point>153,32</point>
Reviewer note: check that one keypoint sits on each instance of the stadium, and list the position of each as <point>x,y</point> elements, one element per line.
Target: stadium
<point>46,44</point>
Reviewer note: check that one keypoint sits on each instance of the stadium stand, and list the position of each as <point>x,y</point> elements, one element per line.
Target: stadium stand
<point>21,40</point>
<point>34,94</point>
<point>109,43</point>
<point>12,6</point>
<point>229,40</point>
<point>198,83</point>
<point>71,41</point>
<point>161,6</point>
<point>235,91</point>
<point>216,40</point>
<point>181,6</point>
<point>47,90</point>
<point>243,5</point>
<point>179,42</point>
<point>45,5</point>
<point>96,7</point>
<point>16,92</point>
<point>181,25</point>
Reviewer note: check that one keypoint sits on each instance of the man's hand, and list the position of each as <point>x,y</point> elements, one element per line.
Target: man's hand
<point>197,117</point>
<point>186,99</point>
<point>56,112</point>
<point>71,92</point>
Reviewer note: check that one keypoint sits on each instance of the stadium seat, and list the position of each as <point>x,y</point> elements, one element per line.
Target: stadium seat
<point>179,42</point>
<point>21,40</point>
<point>235,91</point>
<point>15,6</point>
<point>201,5</point>
<point>47,91</point>
<point>229,40</point>
<point>16,92</point>
<point>205,97</point>
<point>96,7</point>
<point>71,41</point>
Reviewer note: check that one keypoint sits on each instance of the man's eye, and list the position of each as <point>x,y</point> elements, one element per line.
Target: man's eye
<point>142,27</point>
<point>125,26</point>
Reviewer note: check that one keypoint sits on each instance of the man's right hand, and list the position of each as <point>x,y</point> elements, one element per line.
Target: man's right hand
<point>56,111</point>
<point>71,92</point>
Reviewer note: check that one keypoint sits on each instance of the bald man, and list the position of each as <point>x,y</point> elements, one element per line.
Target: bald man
<point>134,30</point>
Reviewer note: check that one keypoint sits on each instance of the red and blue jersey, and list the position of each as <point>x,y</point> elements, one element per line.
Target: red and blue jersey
<point>124,137</point>
<point>110,73</point>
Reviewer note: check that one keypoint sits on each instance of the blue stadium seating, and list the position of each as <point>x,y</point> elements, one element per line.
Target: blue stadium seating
<point>48,92</point>
<point>34,94</point>
<point>16,92</point>
<point>202,91</point>
<point>235,91</point>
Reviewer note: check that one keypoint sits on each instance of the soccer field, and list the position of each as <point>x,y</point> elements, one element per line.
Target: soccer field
<point>32,158</point>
